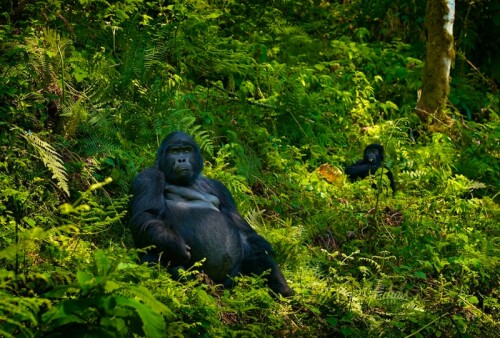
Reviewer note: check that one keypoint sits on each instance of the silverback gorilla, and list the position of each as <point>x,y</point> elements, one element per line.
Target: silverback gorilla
<point>188,217</point>
<point>373,158</point>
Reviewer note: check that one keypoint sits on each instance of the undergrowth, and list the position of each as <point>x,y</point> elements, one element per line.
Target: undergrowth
<point>280,97</point>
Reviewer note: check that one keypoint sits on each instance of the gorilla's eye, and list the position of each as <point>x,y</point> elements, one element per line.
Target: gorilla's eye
<point>180,150</point>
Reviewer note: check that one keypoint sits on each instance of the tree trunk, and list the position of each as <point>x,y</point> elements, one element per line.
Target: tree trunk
<point>440,54</point>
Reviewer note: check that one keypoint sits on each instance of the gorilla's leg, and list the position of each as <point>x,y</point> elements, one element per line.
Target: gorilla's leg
<point>150,258</point>
<point>258,263</point>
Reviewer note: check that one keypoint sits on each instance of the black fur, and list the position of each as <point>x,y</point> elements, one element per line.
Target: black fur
<point>373,159</point>
<point>188,217</point>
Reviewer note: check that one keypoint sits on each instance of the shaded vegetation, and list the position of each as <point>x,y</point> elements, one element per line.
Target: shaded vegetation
<point>281,95</point>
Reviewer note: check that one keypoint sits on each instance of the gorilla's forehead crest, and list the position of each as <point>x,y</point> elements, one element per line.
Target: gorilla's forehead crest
<point>178,137</point>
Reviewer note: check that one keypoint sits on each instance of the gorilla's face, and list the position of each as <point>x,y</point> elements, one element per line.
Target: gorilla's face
<point>374,154</point>
<point>179,158</point>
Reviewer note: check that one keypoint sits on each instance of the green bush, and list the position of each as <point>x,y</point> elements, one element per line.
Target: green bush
<point>280,96</point>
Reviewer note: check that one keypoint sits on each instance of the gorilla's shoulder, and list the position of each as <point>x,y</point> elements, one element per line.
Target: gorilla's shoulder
<point>151,174</point>
<point>148,178</point>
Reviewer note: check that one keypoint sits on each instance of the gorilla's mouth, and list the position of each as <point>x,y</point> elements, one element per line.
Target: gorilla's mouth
<point>183,171</point>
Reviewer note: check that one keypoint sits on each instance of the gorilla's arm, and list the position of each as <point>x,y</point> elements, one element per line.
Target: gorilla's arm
<point>391,179</point>
<point>361,169</point>
<point>149,207</point>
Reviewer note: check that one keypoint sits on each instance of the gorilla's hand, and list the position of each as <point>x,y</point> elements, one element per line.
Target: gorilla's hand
<point>174,247</point>
<point>180,252</point>
<point>187,250</point>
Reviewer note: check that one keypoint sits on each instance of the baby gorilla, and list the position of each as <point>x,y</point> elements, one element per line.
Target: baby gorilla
<point>372,160</point>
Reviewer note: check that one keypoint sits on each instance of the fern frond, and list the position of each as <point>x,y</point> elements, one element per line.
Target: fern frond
<point>18,315</point>
<point>392,297</point>
<point>76,113</point>
<point>50,158</point>
<point>372,262</point>
<point>255,218</point>
<point>94,144</point>
<point>158,124</point>
<point>236,184</point>
<point>289,30</point>
<point>381,286</point>
<point>47,53</point>
<point>202,137</point>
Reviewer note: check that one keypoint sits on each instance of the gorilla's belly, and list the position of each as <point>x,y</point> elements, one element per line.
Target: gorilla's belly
<point>213,238</point>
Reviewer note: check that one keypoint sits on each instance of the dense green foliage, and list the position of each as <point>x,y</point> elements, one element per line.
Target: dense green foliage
<point>281,95</point>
